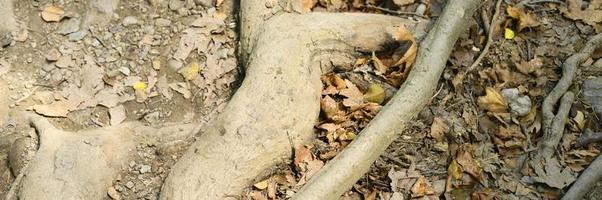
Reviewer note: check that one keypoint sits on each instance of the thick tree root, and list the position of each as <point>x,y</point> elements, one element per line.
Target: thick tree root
<point>586,181</point>
<point>349,165</point>
<point>278,102</point>
<point>82,165</point>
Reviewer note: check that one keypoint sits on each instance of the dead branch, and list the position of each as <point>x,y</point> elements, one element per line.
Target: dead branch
<point>489,37</point>
<point>349,165</point>
<point>586,180</point>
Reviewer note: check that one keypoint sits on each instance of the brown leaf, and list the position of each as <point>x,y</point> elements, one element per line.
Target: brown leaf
<point>52,14</point>
<point>439,128</point>
<point>524,19</point>
<point>465,159</point>
<point>529,67</point>
<point>330,108</point>
<point>261,184</point>
<point>492,101</point>
<point>355,98</point>
<point>378,64</point>
<point>403,34</point>
<point>422,188</point>
<point>592,15</point>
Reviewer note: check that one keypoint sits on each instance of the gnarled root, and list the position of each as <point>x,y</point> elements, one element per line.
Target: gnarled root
<point>83,164</point>
<point>553,124</point>
<point>277,103</point>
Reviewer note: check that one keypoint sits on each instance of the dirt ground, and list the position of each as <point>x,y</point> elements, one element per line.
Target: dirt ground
<point>166,61</point>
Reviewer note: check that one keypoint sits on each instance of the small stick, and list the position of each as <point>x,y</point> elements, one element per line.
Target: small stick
<point>489,37</point>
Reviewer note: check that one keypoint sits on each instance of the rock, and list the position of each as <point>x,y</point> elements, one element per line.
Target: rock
<point>53,55</point>
<point>129,184</point>
<point>519,105</point>
<point>162,22</point>
<point>113,193</point>
<point>48,67</point>
<point>69,26</point>
<point>592,93</point>
<point>76,36</point>
<point>129,20</point>
<point>176,4</point>
<point>145,169</point>
<point>7,39</point>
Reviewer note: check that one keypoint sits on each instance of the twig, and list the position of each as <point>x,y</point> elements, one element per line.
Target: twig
<point>586,180</point>
<point>27,95</point>
<point>394,11</point>
<point>489,37</point>
<point>589,137</point>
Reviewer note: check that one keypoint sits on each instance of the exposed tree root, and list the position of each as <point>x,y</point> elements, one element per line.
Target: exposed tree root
<point>278,101</point>
<point>82,165</point>
<point>586,180</point>
<point>553,124</point>
<point>349,165</point>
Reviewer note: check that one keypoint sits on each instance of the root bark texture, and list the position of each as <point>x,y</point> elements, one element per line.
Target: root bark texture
<point>349,165</point>
<point>82,165</point>
<point>586,180</point>
<point>278,102</point>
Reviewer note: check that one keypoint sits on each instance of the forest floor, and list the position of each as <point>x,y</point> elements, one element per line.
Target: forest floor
<point>167,61</point>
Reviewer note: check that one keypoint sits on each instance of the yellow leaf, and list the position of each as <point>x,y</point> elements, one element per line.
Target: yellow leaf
<point>52,14</point>
<point>492,101</point>
<point>454,170</point>
<point>375,94</point>
<point>261,185</point>
<point>191,71</point>
<point>508,34</point>
<point>139,85</point>
<point>308,5</point>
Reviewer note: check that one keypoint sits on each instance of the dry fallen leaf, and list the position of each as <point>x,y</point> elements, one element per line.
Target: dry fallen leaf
<point>492,101</point>
<point>378,64</point>
<point>355,98</point>
<point>525,20</point>
<point>261,184</point>
<point>403,34</point>
<point>52,14</point>
<point>422,188</point>
<point>592,15</point>
<point>375,94</point>
<point>439,128</point>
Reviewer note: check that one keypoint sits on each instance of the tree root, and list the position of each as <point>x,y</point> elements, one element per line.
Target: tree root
<point>278,101</point>
<point>554,124</point>
<point>82,165</point>
<point>349,165</point>
<point>586,180</point>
